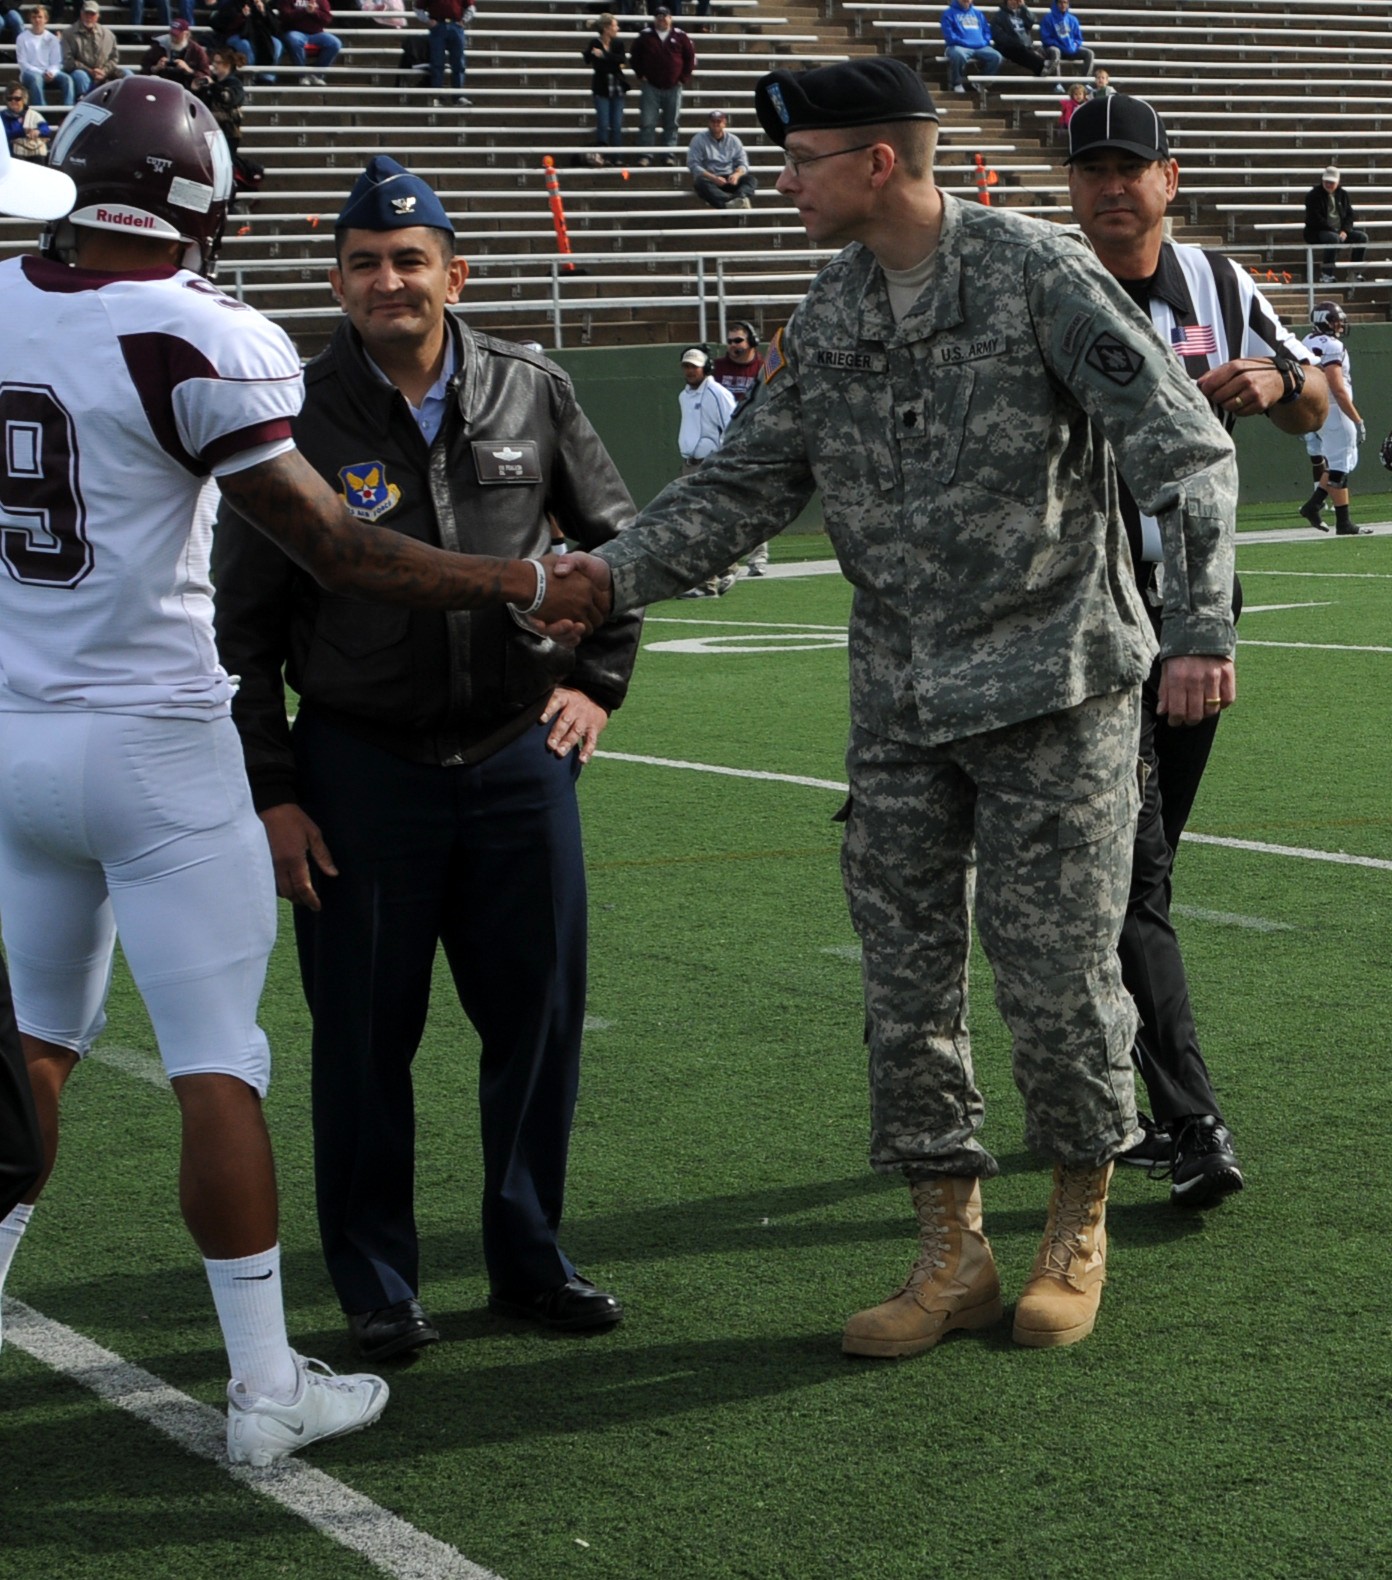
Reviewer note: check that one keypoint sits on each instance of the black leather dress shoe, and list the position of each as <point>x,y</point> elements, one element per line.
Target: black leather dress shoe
<point>394,1330</point>
<point>569,1308</point>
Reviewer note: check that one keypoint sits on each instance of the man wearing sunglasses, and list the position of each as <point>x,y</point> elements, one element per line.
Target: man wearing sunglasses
<point>740,370</point>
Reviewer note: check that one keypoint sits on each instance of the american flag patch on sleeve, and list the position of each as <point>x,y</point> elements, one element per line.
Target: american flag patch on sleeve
<point>774,360</point>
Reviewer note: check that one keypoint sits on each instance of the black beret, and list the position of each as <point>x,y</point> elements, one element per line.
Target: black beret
<point>851,93</point>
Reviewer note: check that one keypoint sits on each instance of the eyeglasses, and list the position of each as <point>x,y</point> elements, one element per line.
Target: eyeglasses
<point>736,340</point>
<point>797,163</point>
<point>15,98</point>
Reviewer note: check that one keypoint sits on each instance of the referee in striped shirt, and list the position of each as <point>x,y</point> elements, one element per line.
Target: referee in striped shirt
<point>1121,180</point>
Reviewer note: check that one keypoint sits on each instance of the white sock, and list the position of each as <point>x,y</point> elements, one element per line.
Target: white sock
<point>251,1312</point>
<point>11,1233</point>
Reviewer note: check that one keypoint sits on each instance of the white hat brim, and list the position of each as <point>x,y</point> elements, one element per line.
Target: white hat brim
<point>33,191</point>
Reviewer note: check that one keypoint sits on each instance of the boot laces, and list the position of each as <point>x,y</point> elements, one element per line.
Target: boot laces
<point>929,1202</point>
<point>1077,1198</point>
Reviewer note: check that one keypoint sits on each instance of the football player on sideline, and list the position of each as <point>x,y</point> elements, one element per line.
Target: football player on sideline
<point>124,806</point>
<point>1333,450</point>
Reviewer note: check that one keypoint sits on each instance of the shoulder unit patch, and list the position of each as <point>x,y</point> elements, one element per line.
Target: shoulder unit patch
<point>1114,359</point>
<point>366,491</point>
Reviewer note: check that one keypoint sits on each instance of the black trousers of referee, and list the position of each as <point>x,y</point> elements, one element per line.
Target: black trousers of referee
<point>21,1145</point>
<point>1152,968</point>
<point>486,861</point>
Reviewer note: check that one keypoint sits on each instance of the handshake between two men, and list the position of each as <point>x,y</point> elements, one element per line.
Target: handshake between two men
<point>574,596</point>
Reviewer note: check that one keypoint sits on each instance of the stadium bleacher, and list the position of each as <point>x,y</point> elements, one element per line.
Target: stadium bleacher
<point>1259,95</point>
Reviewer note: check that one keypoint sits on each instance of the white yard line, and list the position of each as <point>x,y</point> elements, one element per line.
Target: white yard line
<point>333,1509</point>
<point>1318,647</point>
<point>1295,851</point>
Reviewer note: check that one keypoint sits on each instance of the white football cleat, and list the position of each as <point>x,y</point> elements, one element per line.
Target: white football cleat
<point>261,1431</point>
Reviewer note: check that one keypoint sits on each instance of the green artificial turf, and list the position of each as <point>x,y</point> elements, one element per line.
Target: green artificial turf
<point>1232,1413</point>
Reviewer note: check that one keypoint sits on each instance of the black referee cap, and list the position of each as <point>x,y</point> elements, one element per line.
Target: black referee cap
<point>851,93</point>
<point>1118,121</point>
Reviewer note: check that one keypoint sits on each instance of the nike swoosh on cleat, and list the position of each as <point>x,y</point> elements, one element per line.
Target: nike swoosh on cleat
<point>253,1278</point>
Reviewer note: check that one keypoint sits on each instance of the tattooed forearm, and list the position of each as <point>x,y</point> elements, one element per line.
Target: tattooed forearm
<point>287,500</point>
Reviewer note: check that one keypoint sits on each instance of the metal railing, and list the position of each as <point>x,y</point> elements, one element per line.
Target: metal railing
<point>570,291</point>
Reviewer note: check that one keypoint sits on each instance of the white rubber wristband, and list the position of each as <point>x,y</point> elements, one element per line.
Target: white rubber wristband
<point>540,597</point>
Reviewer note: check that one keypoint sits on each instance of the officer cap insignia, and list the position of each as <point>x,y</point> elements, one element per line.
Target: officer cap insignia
<point>1114,359</point>
<point>851,93</point>
<point>386,196</point>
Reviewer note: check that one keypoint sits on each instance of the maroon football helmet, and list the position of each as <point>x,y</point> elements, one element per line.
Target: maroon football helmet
<point>148,159</point>
<point>1329,318</point>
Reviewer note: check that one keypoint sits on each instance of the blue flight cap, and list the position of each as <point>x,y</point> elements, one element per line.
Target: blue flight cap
<point>386,196</point>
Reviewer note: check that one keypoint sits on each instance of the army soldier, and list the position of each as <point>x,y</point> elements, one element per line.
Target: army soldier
<point>952,382</point>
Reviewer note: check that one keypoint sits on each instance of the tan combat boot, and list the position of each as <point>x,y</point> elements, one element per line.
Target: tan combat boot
<point>952,1284</point>
<point>1059,1303</point>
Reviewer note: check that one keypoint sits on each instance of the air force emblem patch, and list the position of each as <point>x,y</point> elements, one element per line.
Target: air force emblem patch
<point>1113,359</point>
<point>366,491</point>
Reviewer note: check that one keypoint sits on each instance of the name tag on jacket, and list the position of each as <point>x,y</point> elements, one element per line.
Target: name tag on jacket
<point>507,461</point>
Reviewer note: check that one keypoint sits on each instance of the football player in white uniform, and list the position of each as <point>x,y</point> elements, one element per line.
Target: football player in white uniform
<point>28,192</point>
<point>1334,448</point>
<point>123,800</point>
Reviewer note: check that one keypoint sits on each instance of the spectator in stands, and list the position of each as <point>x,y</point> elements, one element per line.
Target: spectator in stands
<point>91,55</point>
<point>162,11</point>
<point>663,60</point>
<point>719,166</point>
<point>19,126</point>
<point>39,55</point>
<point>304,25</point>
<point>1329,221</point>
<point>390,13</point>
<point>1012,33</point>
<point>1101,84</point>
<point>449,38</point>
<point>250,28</point>
<point>224,92</point>
<point>1077,94</point>
<point>178,56</point>
<point>967,34</point>
<point>606,57</point>
<point>1060,30</point>
<point>11,23</point>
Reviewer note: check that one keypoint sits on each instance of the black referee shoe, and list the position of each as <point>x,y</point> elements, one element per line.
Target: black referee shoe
<point>1155,1149</point>
<point>1205,1164</point>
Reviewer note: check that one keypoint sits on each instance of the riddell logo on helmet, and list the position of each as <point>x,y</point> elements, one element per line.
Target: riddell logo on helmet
<point>127,218</point>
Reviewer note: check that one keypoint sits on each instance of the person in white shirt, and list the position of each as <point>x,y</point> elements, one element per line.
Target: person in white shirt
<point>39,55</point>
<point>706,409</point>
